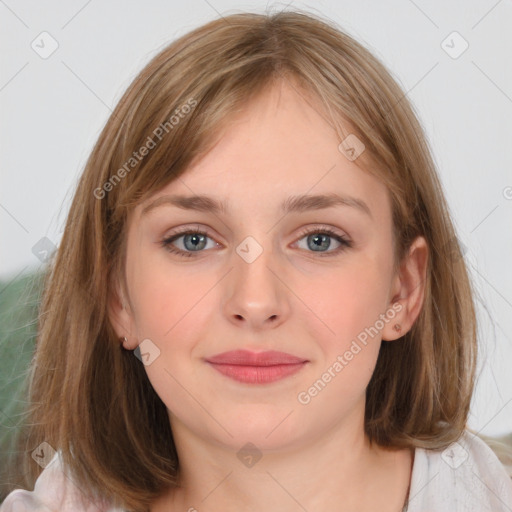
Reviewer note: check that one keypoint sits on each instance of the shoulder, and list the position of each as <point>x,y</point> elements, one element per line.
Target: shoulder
<point>465,476</point>
<point>54,490</point>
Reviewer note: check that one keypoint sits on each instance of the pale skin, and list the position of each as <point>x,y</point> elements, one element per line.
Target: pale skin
<point>291,298</point>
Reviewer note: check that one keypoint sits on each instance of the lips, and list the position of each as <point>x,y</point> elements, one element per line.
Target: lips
<point>247,358</point>
<point>256,367</point>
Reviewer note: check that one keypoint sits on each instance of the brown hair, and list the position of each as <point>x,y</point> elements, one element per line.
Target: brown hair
<point>92,399</point>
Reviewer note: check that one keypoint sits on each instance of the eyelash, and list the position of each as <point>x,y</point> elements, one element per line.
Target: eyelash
<point>345,243</point>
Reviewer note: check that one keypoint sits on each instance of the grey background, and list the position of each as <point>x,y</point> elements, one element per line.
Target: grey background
<point>53,110</point>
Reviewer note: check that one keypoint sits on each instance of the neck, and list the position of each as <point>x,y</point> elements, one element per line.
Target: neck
<point>339,471</point>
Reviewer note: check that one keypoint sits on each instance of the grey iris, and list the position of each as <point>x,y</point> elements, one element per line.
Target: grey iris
<point>198,242</point>
<point>319,241</point>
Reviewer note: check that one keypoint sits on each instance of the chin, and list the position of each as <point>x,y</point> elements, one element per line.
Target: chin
<point>267,427</point>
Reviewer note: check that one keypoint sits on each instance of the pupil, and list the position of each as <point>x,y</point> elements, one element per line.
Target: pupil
<point>319,241</point>
<point>196,241</point>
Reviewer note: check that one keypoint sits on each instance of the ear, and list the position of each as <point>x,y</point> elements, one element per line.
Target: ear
<point>408,290</point>
<point>121,317</point>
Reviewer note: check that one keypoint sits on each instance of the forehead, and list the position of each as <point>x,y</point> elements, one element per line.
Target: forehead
<point>279,145</point>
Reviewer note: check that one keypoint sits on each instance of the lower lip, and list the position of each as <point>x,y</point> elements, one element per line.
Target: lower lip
<point>258,374</point>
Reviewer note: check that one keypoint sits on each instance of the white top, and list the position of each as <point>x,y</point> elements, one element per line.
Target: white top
<point>465,477</point>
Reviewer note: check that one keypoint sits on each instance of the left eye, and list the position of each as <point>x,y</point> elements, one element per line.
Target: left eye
<point>317,240</point>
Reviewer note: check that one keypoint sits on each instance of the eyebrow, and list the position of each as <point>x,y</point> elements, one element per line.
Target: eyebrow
<point>298,203</point>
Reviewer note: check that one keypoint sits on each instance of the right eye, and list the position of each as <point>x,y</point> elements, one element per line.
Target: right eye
<point>194,240</point>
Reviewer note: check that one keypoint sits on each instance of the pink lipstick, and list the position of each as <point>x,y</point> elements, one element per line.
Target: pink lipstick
<point>256,367</point>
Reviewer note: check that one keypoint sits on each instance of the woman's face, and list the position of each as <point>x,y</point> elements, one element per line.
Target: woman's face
<point>266,277</point>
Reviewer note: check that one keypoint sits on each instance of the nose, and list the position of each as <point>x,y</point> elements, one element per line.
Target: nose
<point>256,297</point>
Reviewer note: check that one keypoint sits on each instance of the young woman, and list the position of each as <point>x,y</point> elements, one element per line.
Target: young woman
<point>259,301</point>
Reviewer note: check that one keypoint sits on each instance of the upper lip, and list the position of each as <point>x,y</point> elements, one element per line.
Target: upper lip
<point>248,358</point>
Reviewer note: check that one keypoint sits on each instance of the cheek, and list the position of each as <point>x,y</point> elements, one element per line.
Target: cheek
<point>159,293</point>
<point>172,311</point>
<point>347,303</point>
<point>174,308</point>
<point>165,306</point>
<point>349,339</point>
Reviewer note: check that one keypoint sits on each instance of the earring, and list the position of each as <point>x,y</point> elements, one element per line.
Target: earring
<point>123,340</point>
<point>397,327</point>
